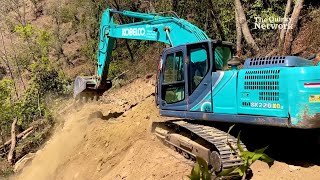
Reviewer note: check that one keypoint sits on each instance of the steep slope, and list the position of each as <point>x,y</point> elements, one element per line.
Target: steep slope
<point>109,147</point>
<point>119,144</point>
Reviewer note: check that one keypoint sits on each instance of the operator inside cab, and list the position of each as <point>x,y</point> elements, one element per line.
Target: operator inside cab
<point>199,64</point>
<point>221,56</point>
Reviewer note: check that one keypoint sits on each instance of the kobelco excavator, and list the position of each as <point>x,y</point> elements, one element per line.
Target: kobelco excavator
<point>198,80</point>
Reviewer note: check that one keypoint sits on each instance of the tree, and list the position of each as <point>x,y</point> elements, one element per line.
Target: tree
<point>283,30</point>
<point>5,107</point>
<point>4,56</point>
<point>215,16</point>
<point>244,26</point>
<point>239,35</point>
<point>293,23</point>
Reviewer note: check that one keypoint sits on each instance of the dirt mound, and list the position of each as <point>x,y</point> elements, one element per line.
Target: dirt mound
<point>109,147</point>
<point>92,144</point>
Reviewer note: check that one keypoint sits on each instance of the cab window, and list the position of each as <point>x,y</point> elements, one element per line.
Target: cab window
<point>221,56</point>
<point>173,82</point>
<point>198,66</point>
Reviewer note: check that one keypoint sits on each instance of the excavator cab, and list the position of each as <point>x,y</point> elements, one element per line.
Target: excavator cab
<point>186,72</point>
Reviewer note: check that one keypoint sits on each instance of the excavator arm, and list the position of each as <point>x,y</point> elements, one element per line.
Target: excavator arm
<point>151,27</point>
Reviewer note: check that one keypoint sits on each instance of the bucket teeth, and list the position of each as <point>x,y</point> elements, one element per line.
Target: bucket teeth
<point>87,88</point>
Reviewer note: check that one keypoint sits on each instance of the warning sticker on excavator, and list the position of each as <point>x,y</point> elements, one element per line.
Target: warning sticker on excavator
<point>314,98</point>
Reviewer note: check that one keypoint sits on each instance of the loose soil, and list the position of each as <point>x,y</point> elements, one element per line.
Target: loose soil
<point>92,144</point>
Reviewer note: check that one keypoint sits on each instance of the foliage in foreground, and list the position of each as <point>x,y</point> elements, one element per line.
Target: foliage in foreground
<point>201,170</point>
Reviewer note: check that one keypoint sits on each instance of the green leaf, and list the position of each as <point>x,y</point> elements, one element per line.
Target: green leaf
<point>247,155</point>
<point>260,151</point>
<point>265,158</point>
<point>238,143</point>
<point>255,157</point>
<point>195,172</point>
<point>230,128</point>
<point>192,177</point>
<point>206,175</point>
<point>226,172</point>
<point>241,170</point>
<point>203,164</point>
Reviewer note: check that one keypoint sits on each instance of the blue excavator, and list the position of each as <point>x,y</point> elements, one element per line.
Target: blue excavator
<point>198,80</point>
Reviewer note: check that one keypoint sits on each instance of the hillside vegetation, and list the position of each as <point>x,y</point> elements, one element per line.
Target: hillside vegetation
<point>45,44</point>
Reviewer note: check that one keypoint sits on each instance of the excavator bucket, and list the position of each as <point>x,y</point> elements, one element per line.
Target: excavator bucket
<point>85,87</point>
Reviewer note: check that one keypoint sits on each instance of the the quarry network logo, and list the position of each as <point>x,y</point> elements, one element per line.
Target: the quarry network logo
<point>272,23</point>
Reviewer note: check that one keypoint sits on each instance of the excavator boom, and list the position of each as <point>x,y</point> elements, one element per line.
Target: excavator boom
<point>151,27</point>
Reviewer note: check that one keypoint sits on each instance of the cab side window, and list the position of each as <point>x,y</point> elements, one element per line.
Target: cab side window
<point>173,82</point>
<point>174,68</point>
<point>198,67</point>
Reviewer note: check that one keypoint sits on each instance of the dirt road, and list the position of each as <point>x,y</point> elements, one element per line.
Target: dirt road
<point>119,144</point>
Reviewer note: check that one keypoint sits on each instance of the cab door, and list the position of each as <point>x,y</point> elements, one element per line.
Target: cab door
<point>172,88</point>
<point>199,77</point>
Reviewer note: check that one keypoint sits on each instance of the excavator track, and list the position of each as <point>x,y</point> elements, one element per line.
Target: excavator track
<point>193,140</point>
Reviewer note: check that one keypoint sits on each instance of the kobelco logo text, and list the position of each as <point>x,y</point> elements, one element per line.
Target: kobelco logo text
<point>133,31</point>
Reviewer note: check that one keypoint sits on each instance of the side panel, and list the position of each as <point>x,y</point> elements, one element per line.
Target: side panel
<point>304,96</point>
<point>224,92</point>
<point>263,92</point>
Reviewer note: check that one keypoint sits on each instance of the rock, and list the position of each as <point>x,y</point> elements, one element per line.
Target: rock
<point>99,167</point>
<point>106,144</point>
<point>294,168</point>
<point>23,161</point>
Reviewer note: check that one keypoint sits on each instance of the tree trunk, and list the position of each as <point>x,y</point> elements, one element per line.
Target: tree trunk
<point>283,30</point>
<point>239,35</point>
<point>13,141</point>
<point>2,138</point>
<point>244,26</point>
<point>292,26</point>
<point>21,135</point>
<point>216,19</point>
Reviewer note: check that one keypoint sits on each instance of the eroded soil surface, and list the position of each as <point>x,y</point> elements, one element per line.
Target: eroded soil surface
<point>112,139</point>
